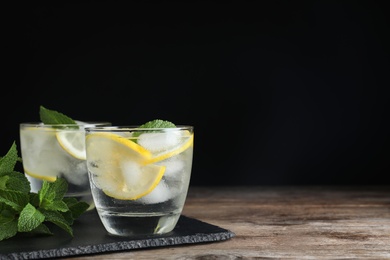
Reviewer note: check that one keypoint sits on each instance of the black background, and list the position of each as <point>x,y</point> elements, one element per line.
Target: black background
<point>279,92</point>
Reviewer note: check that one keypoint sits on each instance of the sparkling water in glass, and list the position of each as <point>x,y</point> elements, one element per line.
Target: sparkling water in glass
<point>51,151</point>
<point>139,176</point>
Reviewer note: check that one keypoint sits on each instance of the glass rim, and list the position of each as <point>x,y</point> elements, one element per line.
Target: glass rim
<point>84,124</point>
<point>122,128</point>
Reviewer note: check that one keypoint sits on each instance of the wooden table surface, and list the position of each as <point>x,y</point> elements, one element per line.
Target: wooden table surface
<point>292,222</point>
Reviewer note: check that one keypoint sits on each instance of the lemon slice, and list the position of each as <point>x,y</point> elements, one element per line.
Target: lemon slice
<point>41,177</point>
<point>187,141</point>
<point>118,166</point>
<point>134,183</point>
<point>73,142</point>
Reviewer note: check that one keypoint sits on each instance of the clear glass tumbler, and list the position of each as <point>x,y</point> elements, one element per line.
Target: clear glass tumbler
<point>139,176</point>
<point>51,151</point>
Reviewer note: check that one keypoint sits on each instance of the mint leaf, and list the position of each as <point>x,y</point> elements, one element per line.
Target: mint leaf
<point>56,205</point>
<point>42,229</point>
<point>157,123</point>
<point>57,219</point>
<point>53,117</point>
<point>3,182</point>
<point>51,191</point>
<point>68,216</point>
<point>29,219</point>
<point>7,211</point>
<point>76,207</point>
<point>8,227</point>
<point>51,195</point>
<point>27,212</point>
<point>8,162</point>
<point>16,181</point>
<point>34,199</point>
<point>15,199</point>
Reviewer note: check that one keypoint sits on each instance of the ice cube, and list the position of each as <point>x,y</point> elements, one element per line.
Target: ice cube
<point>75,172</point>
<point>160,194</point>
<point>173,167</point>
<point>131,172</point>
<point>33,143</point>
<point>156,142</point>
<point>49,161</point>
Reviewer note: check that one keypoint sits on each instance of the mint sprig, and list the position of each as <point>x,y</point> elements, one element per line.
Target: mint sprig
<point>23,211</point>
<point>156,123</point>
<point>52,117</point>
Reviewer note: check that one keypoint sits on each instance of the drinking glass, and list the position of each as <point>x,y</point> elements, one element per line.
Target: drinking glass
<point>52,151</point>
<point>139,177</point>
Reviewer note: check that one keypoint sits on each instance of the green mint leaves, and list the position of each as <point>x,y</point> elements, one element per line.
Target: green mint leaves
<point>22,211</point>
<point>53,117</point>
<point>158,123</point>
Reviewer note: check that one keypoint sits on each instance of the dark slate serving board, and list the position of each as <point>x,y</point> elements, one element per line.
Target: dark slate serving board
<point>90,237</point>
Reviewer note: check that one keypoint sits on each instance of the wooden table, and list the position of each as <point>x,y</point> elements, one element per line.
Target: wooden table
<point>284,223</point>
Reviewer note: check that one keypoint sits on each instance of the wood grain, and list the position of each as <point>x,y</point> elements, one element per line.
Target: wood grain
<point>284,223</point>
